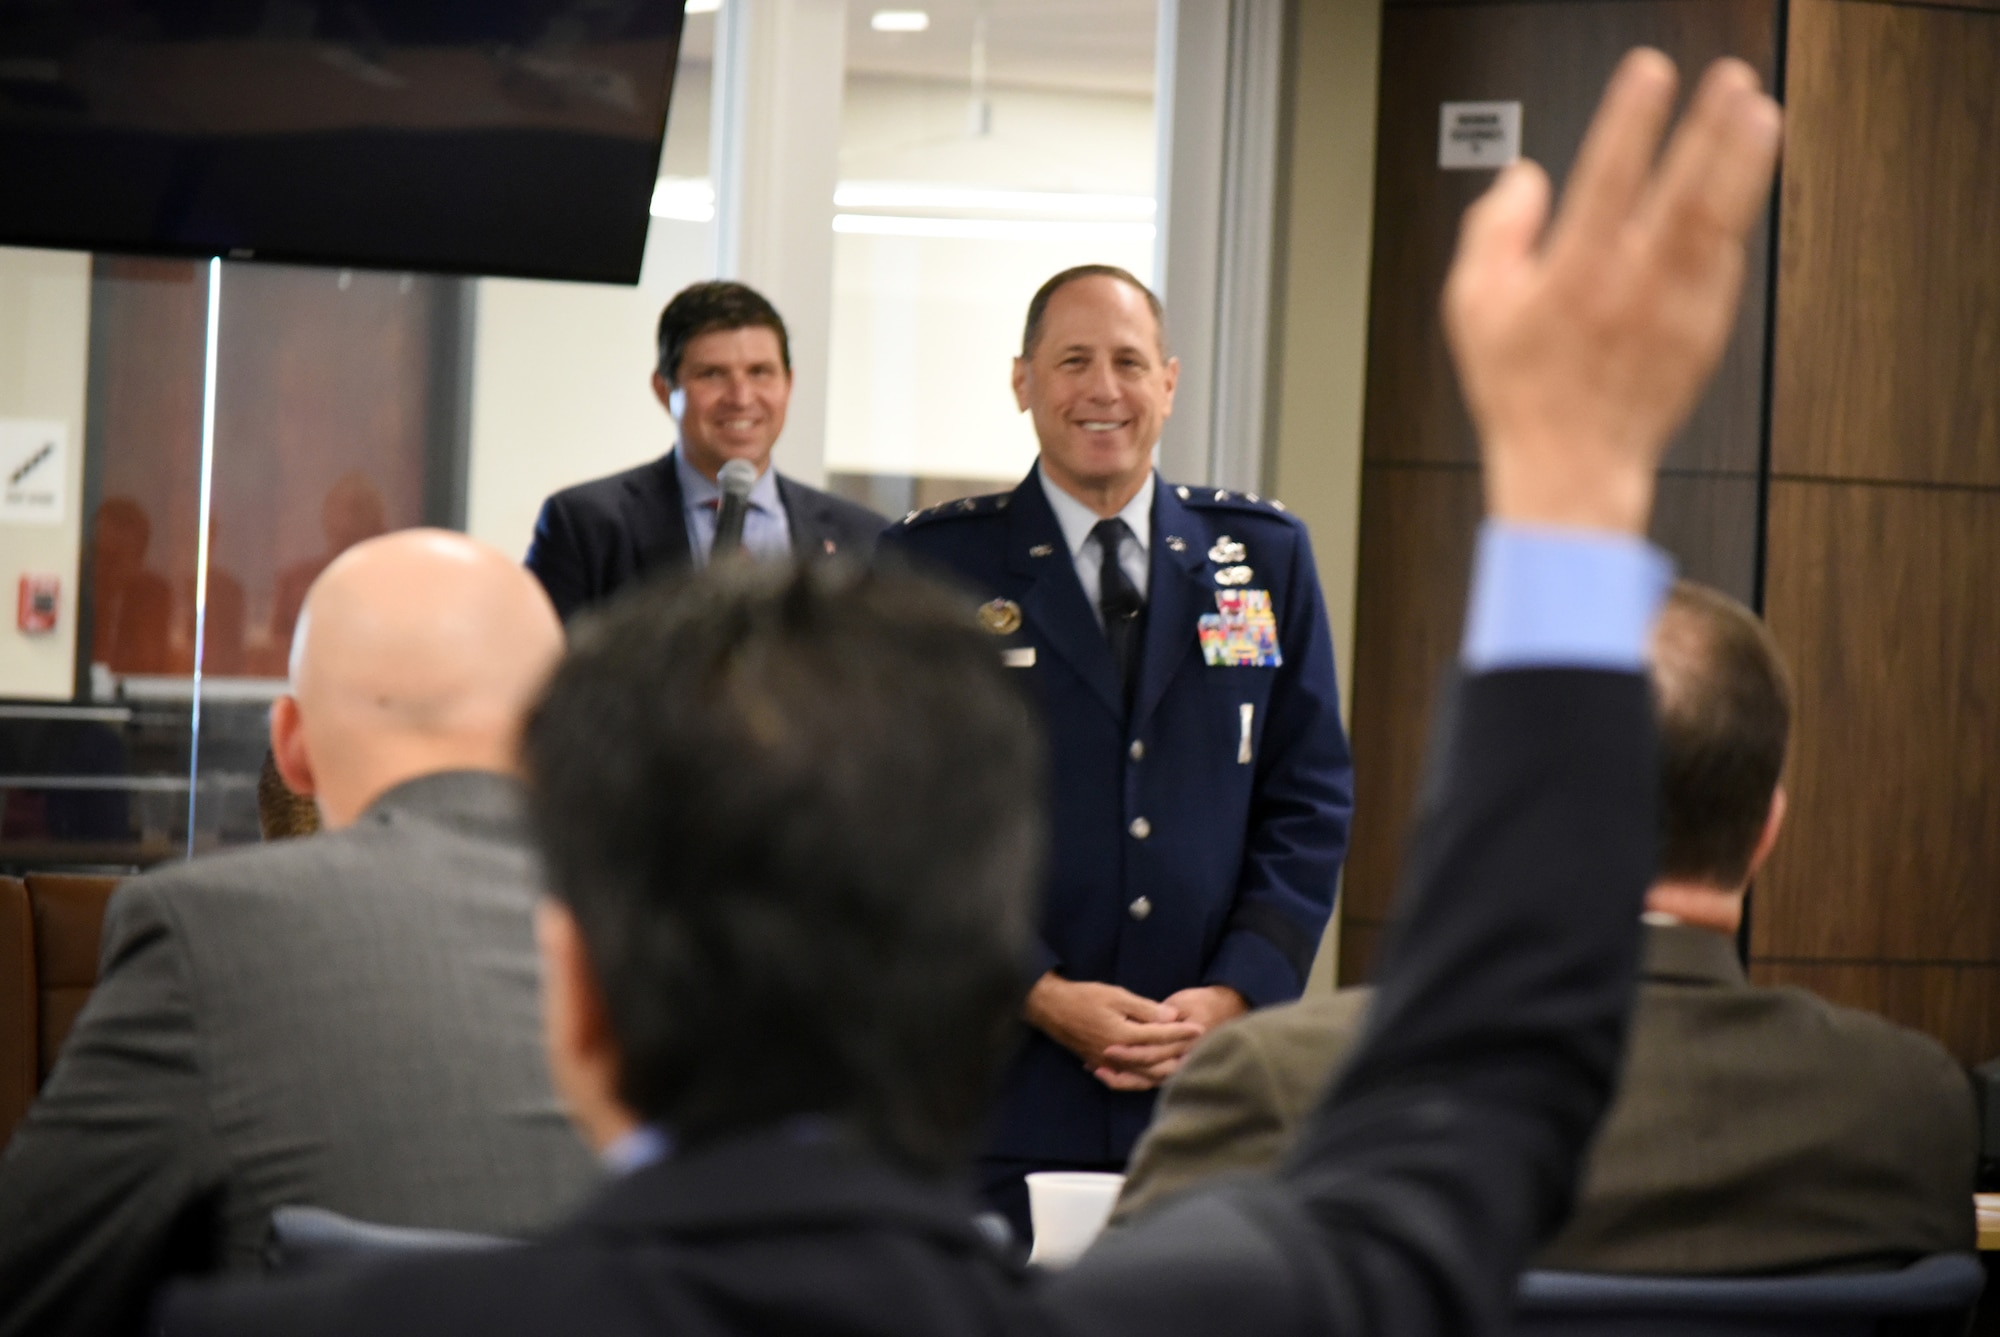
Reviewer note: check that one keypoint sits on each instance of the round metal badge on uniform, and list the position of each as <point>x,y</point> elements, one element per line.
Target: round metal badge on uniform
<point>1002,617</point>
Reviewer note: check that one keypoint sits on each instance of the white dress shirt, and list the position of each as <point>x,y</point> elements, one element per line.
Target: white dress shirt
<point>767,532</point>
<point>1077,520</point>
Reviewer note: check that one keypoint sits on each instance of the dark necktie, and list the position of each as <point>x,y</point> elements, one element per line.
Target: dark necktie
<point>1119,601</point>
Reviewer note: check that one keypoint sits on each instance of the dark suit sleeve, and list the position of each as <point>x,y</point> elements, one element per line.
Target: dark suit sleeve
<point>1299,812</point>
<point>1450,1146</point>
<point>557,558</point>
<point>107,1183</point>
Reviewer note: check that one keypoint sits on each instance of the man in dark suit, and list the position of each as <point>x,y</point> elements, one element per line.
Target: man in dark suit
<point>1179,647</point>
<point>1756,1129</point>
<point>347,1020</point>
<point>725,378</point>
<point>775,985</point>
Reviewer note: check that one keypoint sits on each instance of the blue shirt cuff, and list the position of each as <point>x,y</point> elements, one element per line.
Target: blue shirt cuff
<point>1562,598</point>
<point>637,1149</point>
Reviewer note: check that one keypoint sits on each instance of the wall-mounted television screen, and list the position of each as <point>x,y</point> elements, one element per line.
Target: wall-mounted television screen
<point>513,137</point>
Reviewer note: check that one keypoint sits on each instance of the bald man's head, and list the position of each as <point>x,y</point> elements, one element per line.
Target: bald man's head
<point>416,652</point>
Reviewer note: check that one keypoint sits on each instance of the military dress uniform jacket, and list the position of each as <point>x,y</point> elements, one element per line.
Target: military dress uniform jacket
<point>1197,842</point>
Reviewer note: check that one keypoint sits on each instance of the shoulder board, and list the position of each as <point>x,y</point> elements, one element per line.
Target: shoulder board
<point>991,504</point>
<point>1223,499</point>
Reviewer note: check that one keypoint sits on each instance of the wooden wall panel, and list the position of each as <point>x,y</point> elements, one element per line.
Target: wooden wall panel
<point>1958,1004</point>
<point>1420,483</point>
<point>1709,523</point>
<point>1496,4</point>
<point>1889,254</point>
<point>1417,528</point>
<point>1554,59</point>
<point>1883,599</point>
<point>1884,518</point>
<point>1359,945</point>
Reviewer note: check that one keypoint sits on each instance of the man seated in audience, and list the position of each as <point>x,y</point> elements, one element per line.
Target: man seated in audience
<point>793,825</point>
<point>1756,1129</point>
<point>347,1020</point>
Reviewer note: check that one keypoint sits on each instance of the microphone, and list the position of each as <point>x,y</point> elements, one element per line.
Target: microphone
<point>737,478</point>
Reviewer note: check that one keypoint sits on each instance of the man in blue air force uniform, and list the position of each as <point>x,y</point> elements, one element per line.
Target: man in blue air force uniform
<point>1201,783</point>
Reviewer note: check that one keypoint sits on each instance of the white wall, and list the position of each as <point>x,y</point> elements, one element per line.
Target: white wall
<point>925,329</point>
<point>924,335</point>
<point>44,363</point>
<point>917,130</point>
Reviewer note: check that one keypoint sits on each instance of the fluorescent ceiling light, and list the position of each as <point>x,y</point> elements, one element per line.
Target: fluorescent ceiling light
<point>1047,203</point>
<point>686,199</point>
<point>990,229</point>
<point>900,20</point>
<point>703,6</point>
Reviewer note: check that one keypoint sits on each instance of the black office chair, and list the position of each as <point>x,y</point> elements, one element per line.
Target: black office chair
<point>1929,1298</point>
<point>306,1238</point>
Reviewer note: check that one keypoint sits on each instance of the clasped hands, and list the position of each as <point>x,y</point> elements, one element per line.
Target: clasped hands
<point>1128,1042</point>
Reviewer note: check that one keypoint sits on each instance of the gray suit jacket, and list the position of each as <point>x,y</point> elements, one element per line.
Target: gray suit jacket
<point>349,1020</point>
<point>1755,1130</point>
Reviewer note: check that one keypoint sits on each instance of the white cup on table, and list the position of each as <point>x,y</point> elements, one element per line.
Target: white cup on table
<point>1068,1209</point>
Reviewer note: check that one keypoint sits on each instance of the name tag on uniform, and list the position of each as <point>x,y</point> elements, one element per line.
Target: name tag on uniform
<point>1020,656</point>
<point>1242,632</point>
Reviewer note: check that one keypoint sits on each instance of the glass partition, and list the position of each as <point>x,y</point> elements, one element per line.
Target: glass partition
<point>334,419</point>
<point>345,403</point>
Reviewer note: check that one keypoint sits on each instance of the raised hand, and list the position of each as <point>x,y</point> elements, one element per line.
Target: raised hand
<point>1582,351</point>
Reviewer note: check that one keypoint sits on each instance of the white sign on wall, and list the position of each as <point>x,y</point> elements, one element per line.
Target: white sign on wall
<point>34,467</point>
<point>1478,136</point>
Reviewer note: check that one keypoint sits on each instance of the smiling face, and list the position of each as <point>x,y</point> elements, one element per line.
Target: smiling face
<point>730,398</point>
<point>1099,387</point>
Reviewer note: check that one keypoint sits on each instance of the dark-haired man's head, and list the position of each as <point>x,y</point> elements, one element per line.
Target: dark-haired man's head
<point>1095,376</point>
<point>724,373</point>
<point>1725,712</point>
<point>793,825</point>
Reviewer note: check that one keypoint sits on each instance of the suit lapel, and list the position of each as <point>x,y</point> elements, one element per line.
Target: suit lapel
<point>1053,600</point>
<point>654,518</point>
<point>806,520</point>
<point>1177,594</point>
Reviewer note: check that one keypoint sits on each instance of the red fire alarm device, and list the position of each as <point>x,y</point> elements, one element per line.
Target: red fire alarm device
<point>36,613</point>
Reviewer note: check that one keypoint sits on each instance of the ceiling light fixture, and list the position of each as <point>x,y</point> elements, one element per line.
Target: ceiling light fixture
<point>684,199</point>
<point>703,6</point>
<point>991,229</point>
<point>975,199</point>
<point>900,20</point>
